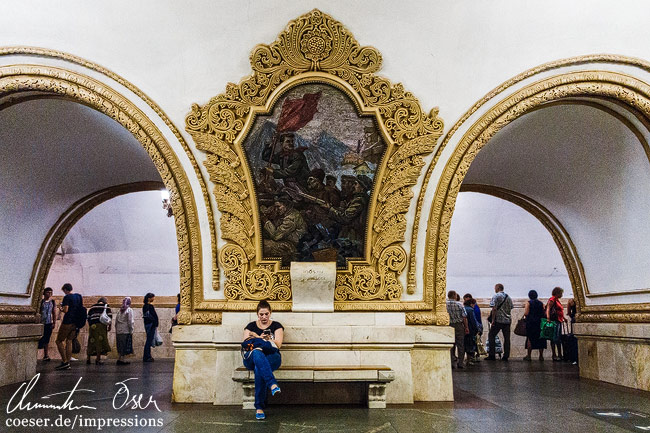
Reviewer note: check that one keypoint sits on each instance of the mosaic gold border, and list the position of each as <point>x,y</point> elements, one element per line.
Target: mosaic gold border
<point>610,85</point>
<point>314,48</point>
<point>83,89</point>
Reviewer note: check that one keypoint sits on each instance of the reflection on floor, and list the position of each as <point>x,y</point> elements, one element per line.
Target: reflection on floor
<point>500,397</point>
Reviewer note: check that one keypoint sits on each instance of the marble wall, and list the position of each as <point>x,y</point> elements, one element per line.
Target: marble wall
<point>206,355</point>
<point>18,343</point>
<point>617,353</point>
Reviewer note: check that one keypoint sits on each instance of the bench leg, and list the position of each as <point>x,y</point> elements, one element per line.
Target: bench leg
<point>377,395</point>
<point>249,396</point>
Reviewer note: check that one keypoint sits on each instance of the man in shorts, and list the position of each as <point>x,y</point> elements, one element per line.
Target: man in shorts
<point>70,306</point>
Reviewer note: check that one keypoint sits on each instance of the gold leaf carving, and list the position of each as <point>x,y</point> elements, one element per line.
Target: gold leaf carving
<point>256,284</point>
<point>314,47</point>
<point>601,84</point>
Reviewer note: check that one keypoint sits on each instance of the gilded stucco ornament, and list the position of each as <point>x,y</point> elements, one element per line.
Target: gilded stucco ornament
<point>624,89</point>
<point>315,48</point>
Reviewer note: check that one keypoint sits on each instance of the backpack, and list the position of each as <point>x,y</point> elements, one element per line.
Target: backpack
<point>80,313</point>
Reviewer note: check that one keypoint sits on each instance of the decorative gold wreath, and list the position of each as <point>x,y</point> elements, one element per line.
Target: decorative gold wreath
<point>314,48</point>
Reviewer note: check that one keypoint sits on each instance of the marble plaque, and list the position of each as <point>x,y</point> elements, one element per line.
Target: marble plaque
<point>312,286</point>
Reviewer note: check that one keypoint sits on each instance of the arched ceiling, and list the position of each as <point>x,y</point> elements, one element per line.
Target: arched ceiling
<point>54,152</point>
<point>589,166</point>
<point>130,222</point>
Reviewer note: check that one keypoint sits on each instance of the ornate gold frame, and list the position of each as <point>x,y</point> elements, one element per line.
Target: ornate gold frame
<point>618,87</point>
<point>82,89</point>
<point>315,48</point>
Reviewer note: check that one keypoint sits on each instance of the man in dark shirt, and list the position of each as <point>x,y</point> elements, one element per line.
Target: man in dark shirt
<point>70,306</point>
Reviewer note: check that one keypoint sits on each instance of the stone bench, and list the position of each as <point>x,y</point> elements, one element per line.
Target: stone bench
<point>377,376</point>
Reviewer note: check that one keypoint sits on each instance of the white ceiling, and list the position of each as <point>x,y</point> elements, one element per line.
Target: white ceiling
<point>54,152</point>
<point>590,170</point>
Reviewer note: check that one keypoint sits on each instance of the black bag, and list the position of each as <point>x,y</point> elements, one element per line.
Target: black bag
<point>252,343</point>
<point>76,346</point>
<point>80,313</point>
<point>553,311</point>
<point>569,346</point>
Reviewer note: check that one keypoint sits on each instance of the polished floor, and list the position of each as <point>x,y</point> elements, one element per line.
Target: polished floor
<point>500,397</point>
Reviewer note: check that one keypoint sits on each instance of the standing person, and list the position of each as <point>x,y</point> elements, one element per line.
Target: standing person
<point>477,311</point>
<point>48,319</point>
<point>263,364</point>
<point>470,338</point>
<point>124,325</point>
<point>500,320</point>
<point>555,313</point>
<point>533,314</point>
<point>150,325</point>
<point>458,321</point>
<point>479,321</point>
<point>176,311</point>
<point>571,311</point>
<point>74,317</point>
<point>98,331</point>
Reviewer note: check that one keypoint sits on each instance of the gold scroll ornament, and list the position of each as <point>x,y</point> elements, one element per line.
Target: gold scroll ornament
<point>314,48</point>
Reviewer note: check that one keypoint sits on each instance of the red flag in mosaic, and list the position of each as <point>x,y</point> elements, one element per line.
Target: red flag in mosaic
<point>296,113</point>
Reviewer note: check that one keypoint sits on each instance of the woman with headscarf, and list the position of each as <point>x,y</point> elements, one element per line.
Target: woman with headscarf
<point>533,313</point>
<point>98,331</point>
<point>124,331</point>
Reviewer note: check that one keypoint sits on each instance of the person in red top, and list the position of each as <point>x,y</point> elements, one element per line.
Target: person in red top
<point>555,313</point>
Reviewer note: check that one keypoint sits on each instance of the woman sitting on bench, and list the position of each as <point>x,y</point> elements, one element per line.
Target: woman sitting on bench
<point>263,364</point>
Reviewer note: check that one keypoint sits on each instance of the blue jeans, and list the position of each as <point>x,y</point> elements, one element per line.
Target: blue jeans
<point>151,331</point>
<point>263,366</point>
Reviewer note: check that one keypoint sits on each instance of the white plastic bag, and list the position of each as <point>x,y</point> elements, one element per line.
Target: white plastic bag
<point>105,318</point>
<point>157,340</point>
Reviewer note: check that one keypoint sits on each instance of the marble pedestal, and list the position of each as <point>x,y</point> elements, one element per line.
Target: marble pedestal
<point>207,355</point>
<point>615,352</point>
<point>18,351</point>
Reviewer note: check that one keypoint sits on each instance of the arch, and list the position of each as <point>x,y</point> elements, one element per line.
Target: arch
<point>69,218</point>
<point>76,87</point>
<point>624,89</point>
<point>560,236</point>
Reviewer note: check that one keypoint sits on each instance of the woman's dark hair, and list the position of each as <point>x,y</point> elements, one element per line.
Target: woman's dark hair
<point>557,292</point>
<point>263,304</point>
<point>468,302</point>
<point>147,297</point>
<point>178,297</point>
<point>532,294</point>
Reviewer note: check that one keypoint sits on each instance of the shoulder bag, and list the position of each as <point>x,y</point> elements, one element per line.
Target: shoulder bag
<point>498,308</point>
<point>105,318</point>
